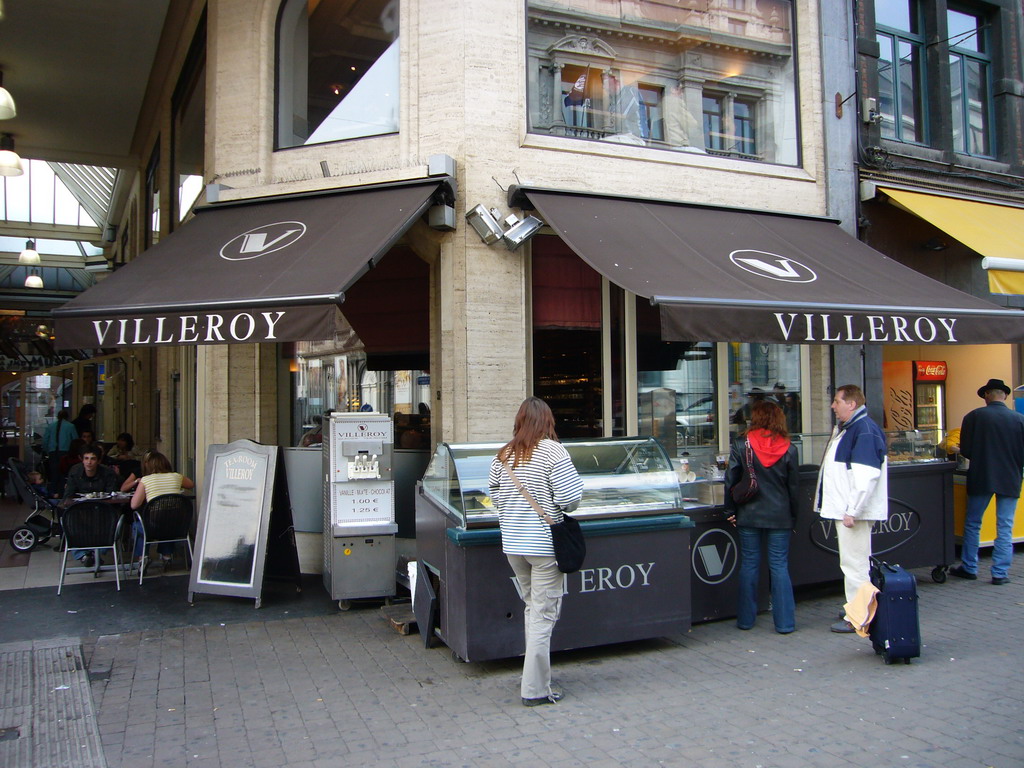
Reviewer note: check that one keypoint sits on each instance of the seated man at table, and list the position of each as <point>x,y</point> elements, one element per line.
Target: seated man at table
<point>89,477</point>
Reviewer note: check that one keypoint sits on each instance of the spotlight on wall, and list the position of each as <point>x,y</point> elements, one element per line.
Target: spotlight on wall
<point>30,255</point>
<point>521,231</point>
<point>483,222</point>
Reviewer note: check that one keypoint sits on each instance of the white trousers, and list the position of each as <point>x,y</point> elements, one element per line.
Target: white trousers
<point>854,554</point>
<point>541,583</point>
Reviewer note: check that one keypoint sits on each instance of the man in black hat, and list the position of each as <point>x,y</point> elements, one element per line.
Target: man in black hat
<point>992,438</point>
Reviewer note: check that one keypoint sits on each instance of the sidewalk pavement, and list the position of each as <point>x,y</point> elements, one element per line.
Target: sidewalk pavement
<point>318,687</point>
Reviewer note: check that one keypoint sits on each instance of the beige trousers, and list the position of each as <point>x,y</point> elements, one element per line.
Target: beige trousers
<point>541,583</point>
<point>854,554</point>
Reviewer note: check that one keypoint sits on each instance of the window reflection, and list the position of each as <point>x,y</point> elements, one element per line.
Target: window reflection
<point>764,372</point>
<point>714,76</point>
<point>338,70</point>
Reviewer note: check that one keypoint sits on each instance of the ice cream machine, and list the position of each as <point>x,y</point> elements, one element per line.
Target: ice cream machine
<point>359,507</point>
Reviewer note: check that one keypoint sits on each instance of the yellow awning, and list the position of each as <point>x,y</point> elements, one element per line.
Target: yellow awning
<point>992,230</point>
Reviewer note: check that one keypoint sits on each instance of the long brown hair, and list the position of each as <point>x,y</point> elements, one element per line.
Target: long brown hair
<point>155,463</point>
<point>766,415</point>
<point>534,422</point>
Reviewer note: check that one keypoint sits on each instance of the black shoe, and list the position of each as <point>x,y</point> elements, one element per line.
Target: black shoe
<point>843,627</point>
<point>549,699</point>
<point>961,573</point>
<point>1000,580</point>
<point>89,560</point>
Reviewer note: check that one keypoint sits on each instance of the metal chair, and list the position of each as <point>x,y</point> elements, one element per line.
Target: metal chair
<point>92,525</point>
<point>164,519</point>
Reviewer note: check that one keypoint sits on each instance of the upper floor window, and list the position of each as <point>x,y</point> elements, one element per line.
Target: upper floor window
<point>904,70</point>
<point>337,70</point>
<point>651,73</point>
<point>970,73</point>
<point>901,70</point>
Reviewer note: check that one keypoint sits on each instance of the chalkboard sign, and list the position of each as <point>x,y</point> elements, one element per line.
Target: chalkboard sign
<point>234,519</point>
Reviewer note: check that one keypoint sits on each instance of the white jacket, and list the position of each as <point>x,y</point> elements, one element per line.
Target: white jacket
<point>853,478</point>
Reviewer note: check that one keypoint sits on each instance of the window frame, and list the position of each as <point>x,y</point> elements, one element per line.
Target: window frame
<point>983,58</point>
<point>915,40</point>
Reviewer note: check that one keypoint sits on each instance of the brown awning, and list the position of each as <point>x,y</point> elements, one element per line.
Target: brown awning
<point>723,274</point>
<point>266,270</point>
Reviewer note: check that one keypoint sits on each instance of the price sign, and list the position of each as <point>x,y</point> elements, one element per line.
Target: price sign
<point>363,501</point>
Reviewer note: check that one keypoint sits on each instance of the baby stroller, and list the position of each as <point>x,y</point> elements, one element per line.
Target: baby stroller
<point>43,522</point>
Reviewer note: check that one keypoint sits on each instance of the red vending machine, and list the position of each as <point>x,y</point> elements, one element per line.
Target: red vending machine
<point>930,394</point>
<point>915,394</point>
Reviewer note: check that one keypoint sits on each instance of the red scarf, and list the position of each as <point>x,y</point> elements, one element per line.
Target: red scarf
<point>769,447</point>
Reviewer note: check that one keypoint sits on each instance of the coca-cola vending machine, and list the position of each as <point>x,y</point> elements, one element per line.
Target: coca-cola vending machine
<point>915,394</point>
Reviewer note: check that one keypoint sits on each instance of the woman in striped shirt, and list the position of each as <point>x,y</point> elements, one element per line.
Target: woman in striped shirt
<point>544,468</point>
<point>158,479</point>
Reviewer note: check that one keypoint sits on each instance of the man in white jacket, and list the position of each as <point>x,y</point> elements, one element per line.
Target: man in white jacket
<point>853,487</point>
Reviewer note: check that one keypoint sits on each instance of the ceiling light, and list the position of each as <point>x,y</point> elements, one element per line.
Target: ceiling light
<point>10,163</point>
<point>33,281</point>
<point>29,255</point>
<point>7,108</point>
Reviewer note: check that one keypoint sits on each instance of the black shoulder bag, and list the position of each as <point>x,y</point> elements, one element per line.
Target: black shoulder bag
<point>746,488</point>
<point>567,536</point>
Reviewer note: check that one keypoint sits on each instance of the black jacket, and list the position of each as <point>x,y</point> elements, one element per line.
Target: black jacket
<point>775,505</point>
<point>992,437</point>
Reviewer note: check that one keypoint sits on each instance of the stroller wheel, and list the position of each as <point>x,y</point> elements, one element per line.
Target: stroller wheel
<point>24,539</point>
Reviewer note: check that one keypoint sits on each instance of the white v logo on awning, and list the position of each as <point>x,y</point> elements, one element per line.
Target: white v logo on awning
<point>785,268</point>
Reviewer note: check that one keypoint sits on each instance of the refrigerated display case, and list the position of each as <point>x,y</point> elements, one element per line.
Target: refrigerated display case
<point>915,394</point>
<point>635,583</point>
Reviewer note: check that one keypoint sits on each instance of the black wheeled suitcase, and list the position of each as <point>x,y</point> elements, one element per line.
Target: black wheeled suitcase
<point>895,631</point>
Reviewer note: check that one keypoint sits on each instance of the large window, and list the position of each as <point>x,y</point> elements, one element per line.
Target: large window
<point>901,70</point>
<point>715,77</point>
<point>189,110</point>
<point>969,81</point>
<point>337,74</point>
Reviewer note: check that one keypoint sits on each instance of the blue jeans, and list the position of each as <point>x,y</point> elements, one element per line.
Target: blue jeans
<point>1002,549</point>
<point>165,548</point>
<point>783,604</point>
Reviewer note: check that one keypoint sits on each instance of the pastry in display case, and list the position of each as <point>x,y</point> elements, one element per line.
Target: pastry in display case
<point>914,446</point>
<point>622,477</point>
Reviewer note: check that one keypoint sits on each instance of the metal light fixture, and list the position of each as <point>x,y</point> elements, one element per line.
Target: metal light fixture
<point>33,280</point>
<point>30,255</point>
<point>10,163</point>
<point>7,108</point>
<point>521,231</point>
<point>484,223</point>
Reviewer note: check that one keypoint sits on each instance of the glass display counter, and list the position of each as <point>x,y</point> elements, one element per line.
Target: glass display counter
<point>621,478</point>
<point>635,583</point>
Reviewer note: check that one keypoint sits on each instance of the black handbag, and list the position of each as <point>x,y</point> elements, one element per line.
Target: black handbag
<point>566,536</point>
<point>746,488</point>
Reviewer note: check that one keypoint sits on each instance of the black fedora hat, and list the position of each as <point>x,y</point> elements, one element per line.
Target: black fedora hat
<point>994,384</point>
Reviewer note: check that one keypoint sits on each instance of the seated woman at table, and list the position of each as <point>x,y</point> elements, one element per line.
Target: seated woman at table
<point>158,479</point>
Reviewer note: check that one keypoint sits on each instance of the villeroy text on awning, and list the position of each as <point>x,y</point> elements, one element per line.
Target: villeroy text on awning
<point>265,270</point>
<point>723,274</point>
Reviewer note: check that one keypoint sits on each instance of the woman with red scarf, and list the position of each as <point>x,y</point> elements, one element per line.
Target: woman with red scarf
<point>766,520</point>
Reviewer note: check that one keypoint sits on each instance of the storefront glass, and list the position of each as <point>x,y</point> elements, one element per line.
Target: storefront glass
<point>764,372</point>
<point>567,338</point>
<point>714,77</point>
<point>342,382</point>
<point>676,387</point>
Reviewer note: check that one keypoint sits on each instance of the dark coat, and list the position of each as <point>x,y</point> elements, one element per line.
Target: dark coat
<point>775,505</point>
<point>992,437</point>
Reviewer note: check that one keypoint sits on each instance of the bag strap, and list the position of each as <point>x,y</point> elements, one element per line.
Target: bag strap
<point>750,458</point>
<point>526,495</point>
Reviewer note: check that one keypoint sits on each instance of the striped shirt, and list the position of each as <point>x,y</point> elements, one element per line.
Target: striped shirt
<point>552,480</point>
<point>161,484</point>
